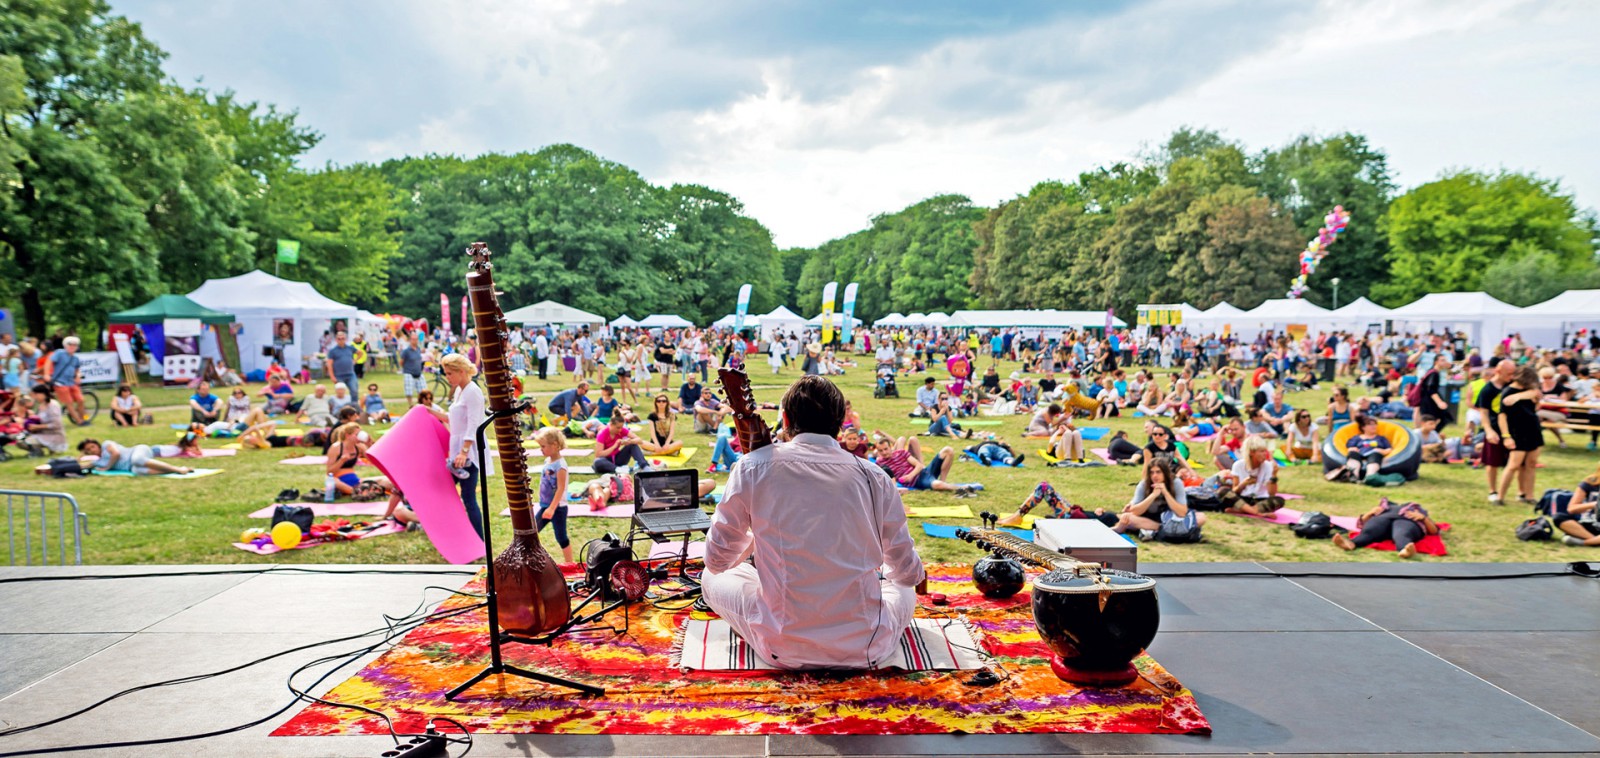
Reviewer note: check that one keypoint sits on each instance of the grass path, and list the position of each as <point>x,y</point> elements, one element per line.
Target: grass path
<point>155,520</point>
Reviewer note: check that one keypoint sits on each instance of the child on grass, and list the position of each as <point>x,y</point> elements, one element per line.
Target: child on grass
<point>553,487</point>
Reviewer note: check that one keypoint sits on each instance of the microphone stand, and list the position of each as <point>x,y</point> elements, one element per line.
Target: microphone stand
<point>497,664</point>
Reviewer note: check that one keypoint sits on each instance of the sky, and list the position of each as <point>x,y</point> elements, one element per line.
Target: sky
<point>819,115</point>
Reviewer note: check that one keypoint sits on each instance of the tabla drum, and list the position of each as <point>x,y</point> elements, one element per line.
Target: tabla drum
<point>998,577</point>
<point>1095,623</point>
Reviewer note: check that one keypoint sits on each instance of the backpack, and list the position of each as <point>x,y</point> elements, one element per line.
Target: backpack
<point>1553,501</point>
<point>62,468</point>
<point>1179,530</point>
<point>299,515</point>
<point>1313,525</point>
<point>1536,529</point>
<point>1414,392</point>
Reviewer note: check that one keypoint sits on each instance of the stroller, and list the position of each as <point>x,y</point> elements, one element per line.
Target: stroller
<point>12,431</point>
<point>886,386</point>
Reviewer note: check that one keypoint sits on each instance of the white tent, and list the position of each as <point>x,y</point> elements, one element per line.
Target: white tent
<point>815,322</point>
<point>1278,314</point>
<point>780,319</point>
<point>623,321</point>
<point>1554,321</point>
<point>1213,320</point>
<point>554,313</point>
<point>1048,320</point>
<point>893,319</point>
<point>1359,316</point>
<point>259,300</point>
<point>664,321</point>
<point>1479,315</point>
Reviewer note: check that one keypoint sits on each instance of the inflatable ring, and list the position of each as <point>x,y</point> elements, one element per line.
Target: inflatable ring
<point>1404,456</point>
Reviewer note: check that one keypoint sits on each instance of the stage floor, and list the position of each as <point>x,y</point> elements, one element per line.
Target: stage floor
<point>1337,665</point>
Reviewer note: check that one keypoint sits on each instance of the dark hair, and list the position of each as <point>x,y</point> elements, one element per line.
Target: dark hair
<point>1362,420</point>
<point>1054,409</point>
<point>928,380</point>
<point>46,390</point>
<point>348,411</point>
<point>87,441</point>
<point>1428,417</point>
<point>121,388</point>
<point>815,405</point>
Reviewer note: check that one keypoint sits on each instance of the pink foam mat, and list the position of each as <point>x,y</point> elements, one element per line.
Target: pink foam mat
<point>332,510</point>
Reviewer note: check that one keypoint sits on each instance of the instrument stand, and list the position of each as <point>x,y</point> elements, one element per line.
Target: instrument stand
<point>497,664</point>
<point>693,588</point>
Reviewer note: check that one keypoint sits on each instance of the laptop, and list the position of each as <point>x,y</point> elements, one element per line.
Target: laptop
<point>668,502</point>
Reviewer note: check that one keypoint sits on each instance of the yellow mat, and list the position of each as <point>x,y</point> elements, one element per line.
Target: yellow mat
<point>940,511</point>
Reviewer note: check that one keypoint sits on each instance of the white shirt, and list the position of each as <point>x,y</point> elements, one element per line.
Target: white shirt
<point>1263,475</point>
<point>820,599</point>
<point>466,413</point>
<point>541,346</point>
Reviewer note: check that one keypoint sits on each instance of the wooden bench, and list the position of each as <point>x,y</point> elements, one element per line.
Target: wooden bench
<point>1568,426</point>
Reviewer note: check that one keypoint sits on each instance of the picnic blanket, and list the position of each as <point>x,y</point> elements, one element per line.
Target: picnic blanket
<point>929,644</point>
<point>379,529</point>
<point>940,511</point>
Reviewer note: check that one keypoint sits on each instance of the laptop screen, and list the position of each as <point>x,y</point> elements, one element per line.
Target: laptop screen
<point>667,490</point>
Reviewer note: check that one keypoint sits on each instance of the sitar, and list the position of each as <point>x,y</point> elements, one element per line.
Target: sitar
<point>530,593</point>
<point>753,431</point>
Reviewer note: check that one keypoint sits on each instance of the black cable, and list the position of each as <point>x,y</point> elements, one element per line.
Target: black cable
<point>228,572</point>
<point>1576,568</point>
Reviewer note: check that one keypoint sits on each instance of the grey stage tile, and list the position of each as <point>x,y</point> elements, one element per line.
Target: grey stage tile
<point>1551,604</point>
<point>1248,604</point>
<point>313,603</point>
<point>1422,567</point>
<point>1556,671</point>
<point>1286,692</point>
<point>102,605</point>
<point>27,658</point>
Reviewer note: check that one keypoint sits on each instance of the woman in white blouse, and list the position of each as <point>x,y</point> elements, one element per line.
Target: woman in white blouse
<point>463,418</point>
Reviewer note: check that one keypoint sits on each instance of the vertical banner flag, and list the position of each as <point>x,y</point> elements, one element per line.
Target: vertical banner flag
<point>289,251</point>
<point>742,308</point>
<point>849,312</point>
<point>465,323</point>
<point>444,312</point>
<point>1109,316</point>
<point>827,311</point>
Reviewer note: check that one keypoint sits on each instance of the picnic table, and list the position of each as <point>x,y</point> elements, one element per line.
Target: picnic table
<point>1576,411</point>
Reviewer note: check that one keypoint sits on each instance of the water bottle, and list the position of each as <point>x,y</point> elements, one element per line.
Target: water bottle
<point>329,489</point>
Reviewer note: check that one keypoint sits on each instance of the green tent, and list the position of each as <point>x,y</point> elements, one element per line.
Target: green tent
<point>170,306</point>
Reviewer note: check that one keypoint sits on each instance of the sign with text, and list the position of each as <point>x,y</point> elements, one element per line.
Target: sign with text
<point>99,367</point>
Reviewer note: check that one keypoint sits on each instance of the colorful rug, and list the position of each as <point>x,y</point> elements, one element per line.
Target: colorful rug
<point>645,695</point>
<point>928,645</point>
<point>359,532</point>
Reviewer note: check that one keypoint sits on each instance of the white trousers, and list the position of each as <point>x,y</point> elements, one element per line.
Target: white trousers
<point>735,596</point>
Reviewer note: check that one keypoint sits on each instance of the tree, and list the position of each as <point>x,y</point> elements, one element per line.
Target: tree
<point>1444,235</point>
<point>1240,255</point>
<point>1536,277</point>
<point>1308,177</point>
<point>341,217</point>
<point>713,249</point>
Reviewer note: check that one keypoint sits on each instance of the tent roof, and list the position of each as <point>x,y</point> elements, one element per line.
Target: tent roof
<point>1455,306</point>
<point>664,321</point>
<point>259,293</point>
<point>893,319</point>
<point>1285,309</point>
<point>838,320</point>
<point>624,320</point>
<point>551,312</point>
<point>782,313</point>
<point>1575,303</point>
<point>164,307</point>
<point>1361,308</point>
<point>1032,319</point>
<point>1223,309</point>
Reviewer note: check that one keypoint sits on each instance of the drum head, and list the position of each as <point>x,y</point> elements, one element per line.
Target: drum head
<point>1112,580</point>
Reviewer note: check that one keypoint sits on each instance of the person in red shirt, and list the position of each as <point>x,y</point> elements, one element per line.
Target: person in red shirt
<point>902,459</point>
<point>853,443</point>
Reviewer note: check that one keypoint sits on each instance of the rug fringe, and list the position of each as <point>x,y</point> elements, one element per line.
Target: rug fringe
<point>675,653</point>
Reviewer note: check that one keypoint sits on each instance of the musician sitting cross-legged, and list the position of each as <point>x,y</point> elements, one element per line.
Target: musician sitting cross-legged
<point>821,524</point>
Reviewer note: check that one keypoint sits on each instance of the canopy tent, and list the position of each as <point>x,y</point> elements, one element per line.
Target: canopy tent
<point>1217,319</point>
<point>1554,321</point>
<point>1358,316</point>
<point>277,317</point>
<point>1162,315</point>
<point>664,321</point>
<point>623,321</point>
<point>1278,315</point>
<point>1048,320</point>
<point>893,319</point>
<point>164,307</point>
<point>815,322</point>
<point>552,313</point>
<point>1479,315</point>
<point>781,319</point>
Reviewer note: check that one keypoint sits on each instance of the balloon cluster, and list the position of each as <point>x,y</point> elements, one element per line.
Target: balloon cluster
<point>1333,225</point>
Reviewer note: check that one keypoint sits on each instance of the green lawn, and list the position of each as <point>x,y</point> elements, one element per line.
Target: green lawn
<point>155,520</point>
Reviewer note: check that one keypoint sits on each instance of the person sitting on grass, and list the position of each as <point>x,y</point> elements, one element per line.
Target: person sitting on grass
<point>373,407</point>
<point>1277,413</point>
<point>708,413</point>
<point>1110,399</point>
<point>1162,446</point>
<point>44,428</point>
<point>1043,424</point>
<point>343,453</point>
<point>1187,428</point>
<point>617,446</point>
<point>1122,451</point>
<point>902,460</point>
<point>1226,446</point>
<point>995,451</point>
<point>279,395</point>
<point>1258,426</point>
<point>126,407</point>
<point>340,399</point>
<point>1577,517</point>
<point>1027,396</point>
<point>111,457</point>
<point>1256,494</point>
<point>662,439</point>
<point>1158,499</point>
<point>1401,524</point>
<point>317,409</point>
<point>942,421</point>
<point>854,442</point>
<point>204,407</point>
<point>1302,440</point>
<point>1364,452</point>
<point>1059,508</point>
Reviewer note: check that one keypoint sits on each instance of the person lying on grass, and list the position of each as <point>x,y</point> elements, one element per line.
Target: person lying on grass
<point>138,460</point>
<point>902,460</point>
<point>1403,524</point>
<point>994,451</point>
<point>1059,508</point>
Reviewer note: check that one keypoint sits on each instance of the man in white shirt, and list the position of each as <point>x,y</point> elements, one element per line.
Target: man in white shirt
<point>814,596</point>
<point>927,398</point>
<point>541,351</point>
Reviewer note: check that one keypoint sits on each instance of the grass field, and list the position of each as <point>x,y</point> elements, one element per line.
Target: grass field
<point>164,521</point>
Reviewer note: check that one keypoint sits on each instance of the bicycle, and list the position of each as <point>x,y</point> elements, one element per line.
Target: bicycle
<point>91,407</point>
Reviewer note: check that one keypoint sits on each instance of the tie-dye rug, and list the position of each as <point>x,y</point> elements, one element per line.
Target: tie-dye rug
<point>644,695</point>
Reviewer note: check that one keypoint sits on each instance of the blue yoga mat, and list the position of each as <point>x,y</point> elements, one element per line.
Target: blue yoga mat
<point>1091,433</point>
<point>949,532</point>
<point>971,457</point>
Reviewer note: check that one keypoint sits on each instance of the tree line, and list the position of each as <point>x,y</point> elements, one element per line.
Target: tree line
<point>117,184</point>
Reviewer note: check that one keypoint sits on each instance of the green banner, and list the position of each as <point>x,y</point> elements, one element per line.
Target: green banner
<point>288,251</point>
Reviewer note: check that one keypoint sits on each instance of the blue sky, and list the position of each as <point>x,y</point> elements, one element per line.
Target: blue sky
<point>820,115</point>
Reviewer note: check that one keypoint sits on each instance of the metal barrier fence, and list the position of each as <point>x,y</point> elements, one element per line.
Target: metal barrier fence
<point>33,529</point>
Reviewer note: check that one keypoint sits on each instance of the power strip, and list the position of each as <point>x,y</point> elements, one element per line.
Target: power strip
<point>420,746</point>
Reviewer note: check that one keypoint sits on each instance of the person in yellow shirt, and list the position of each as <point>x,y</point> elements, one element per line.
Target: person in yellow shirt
<point>360,345</point>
